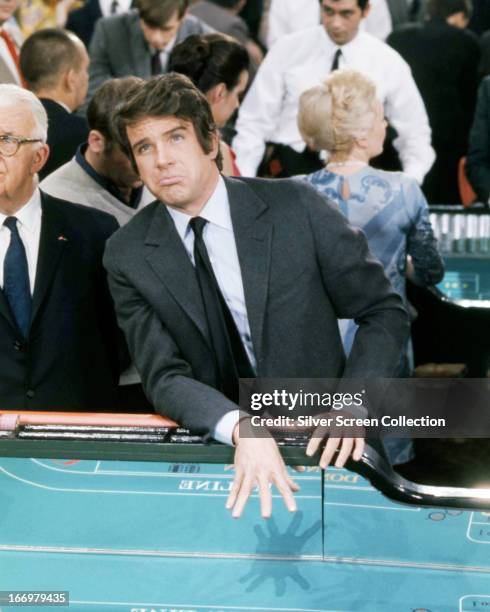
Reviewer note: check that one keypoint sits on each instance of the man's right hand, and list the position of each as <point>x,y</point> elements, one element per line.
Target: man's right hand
<point>258,462</point>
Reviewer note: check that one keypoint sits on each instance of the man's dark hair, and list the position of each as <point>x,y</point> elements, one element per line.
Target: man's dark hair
<point>157,13</point>
<point>360,3</point>
<point>442,9</point>
<point>209,60</point>
<point>46,54</point>
<point>102,105</point>
<point>168,95</point>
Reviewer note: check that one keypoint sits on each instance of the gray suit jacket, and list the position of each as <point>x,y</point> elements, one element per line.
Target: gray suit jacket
<point>303,266</point>
<point>221,20</point>
<point>118,48</point>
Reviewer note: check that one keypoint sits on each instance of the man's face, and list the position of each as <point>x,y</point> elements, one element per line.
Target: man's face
<point>341,19</point>
<point>172,163</point>
<point>7,8</point>
<point>158,38</point>
<point>18,172</point>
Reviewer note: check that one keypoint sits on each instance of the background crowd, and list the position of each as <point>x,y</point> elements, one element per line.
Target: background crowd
<point>375,104</point>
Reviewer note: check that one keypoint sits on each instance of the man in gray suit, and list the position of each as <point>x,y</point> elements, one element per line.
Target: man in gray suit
<point>138,43</point>
<point>227,278</point>
<point>10,41</point>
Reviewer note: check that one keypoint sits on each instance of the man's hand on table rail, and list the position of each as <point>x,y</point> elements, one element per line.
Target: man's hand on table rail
<point>348,441</point>
<point>258,462</point>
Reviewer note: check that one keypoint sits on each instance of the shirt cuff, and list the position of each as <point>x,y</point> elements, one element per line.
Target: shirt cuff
<point>223,431</point>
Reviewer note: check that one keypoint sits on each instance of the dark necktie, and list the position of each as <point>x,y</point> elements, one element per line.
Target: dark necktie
<point>16,286</point>
<point>336,59</point>
<point>156,64</point>
<point>114,7</point>
<point>231,357</point>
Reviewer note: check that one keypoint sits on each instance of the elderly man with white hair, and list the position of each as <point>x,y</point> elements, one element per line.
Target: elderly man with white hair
<point>60,348</point>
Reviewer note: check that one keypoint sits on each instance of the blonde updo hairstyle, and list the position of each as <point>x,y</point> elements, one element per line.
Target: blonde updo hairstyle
<point>333,115</point>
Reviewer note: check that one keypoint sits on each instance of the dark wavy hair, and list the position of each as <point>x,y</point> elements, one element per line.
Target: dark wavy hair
<point>168,95</point>
<point>209,60</point>
<point>106,97</point>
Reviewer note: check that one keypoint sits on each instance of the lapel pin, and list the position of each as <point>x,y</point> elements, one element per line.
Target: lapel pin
<point>62,238</point>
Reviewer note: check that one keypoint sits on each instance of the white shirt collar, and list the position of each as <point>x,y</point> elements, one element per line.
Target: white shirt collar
<point>216,211</point>
<point>29,215</point>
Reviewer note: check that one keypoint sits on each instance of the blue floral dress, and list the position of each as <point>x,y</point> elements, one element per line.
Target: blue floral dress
<point>391,210</point>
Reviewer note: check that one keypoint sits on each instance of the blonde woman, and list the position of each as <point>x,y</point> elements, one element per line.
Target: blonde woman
<point>344,117</point>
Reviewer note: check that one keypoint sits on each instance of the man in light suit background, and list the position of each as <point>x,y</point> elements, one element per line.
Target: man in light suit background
<point>10,42</point>
<point>228,278</point>
<point>101,176</point>
<point>138,43</point>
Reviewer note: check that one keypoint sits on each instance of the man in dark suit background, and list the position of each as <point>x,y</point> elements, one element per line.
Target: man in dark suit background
<point>444,58</point>
<point>55,67</point>
<point>60,346</point>
<point>138,43</point>
<point>227,278</point>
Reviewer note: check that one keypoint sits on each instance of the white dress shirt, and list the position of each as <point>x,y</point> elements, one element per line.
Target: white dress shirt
<point>219,239</point>
<point>304,59</point>
<point>123,6</point>
<point>29,226</point>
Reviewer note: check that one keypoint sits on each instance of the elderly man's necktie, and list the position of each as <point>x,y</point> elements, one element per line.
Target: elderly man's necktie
<point>231,358</point>
<point>16,285</point>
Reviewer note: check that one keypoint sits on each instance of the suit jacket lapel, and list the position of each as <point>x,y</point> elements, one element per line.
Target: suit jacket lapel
<point>51,245</point>
<point>253,238</point>
<point>167,256</point>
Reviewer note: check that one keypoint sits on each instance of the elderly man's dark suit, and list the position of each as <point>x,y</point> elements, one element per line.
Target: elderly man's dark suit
<point>119,49</point>
<point>302,267</point>
<point>71,358</point>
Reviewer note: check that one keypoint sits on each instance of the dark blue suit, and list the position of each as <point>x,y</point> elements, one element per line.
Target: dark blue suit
<point>73,353</point>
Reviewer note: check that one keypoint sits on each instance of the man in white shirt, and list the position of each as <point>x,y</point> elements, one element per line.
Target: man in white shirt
<point>9,45</point>
<point>288,16</point>
<point>226,278</point>
<point>303,59</point>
